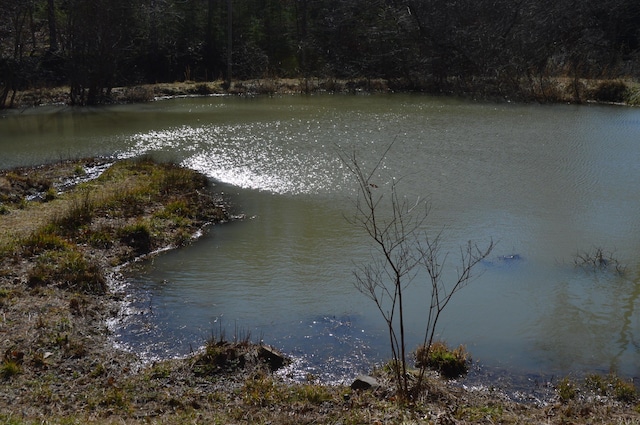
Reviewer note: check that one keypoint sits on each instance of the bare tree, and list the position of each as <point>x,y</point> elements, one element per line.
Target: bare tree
<point>432,260</point>
<point>402,249</point>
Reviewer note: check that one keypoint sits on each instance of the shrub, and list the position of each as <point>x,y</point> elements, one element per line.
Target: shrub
<point>138,94</point>
<point>566,390</point>
<point>401,247</point>
<point>138,237</point>
<point>598,259</point>
<point>202,89</point>
<point>610,91</point>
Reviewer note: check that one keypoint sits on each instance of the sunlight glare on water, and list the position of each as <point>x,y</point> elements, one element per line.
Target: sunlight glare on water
<point>262,155</point>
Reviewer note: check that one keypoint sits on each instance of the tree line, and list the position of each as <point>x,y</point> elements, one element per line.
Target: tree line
<point>486,47</point>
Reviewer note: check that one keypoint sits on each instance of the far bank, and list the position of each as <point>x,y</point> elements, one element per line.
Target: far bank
<point>554,90</point>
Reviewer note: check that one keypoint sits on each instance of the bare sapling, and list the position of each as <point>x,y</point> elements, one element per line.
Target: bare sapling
<point>402,251</point>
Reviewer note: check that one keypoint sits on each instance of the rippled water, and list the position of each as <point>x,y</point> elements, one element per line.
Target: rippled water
<point>542,181</point>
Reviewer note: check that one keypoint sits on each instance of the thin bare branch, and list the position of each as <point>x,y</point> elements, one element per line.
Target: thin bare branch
<point>401,248</point>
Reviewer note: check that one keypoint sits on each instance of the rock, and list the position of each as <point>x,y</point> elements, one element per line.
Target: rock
<point>512,257</point>
<point>364,382</point>
<point>272,358</point>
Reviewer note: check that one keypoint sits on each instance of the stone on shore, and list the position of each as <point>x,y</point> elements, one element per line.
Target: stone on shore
<point>365,382</point>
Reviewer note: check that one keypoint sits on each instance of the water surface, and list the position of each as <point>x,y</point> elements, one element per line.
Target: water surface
<point>544,182</point>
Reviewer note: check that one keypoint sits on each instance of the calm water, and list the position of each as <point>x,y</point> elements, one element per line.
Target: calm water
<point>544,182</point>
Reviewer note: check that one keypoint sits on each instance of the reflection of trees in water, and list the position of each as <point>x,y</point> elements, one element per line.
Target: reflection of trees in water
<point>589,324</point>
<point>627,340</point>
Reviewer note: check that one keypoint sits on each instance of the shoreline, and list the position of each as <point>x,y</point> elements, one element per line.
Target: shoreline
<point>59,364</point>
<point>617,92</point>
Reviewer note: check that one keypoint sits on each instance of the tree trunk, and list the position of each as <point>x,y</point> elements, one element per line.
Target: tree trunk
<point>53,30</point>
<point>229,42</point>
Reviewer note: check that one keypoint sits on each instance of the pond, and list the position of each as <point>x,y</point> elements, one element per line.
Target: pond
<point>543,182</point>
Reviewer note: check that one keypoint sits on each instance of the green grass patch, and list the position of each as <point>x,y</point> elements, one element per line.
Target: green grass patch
<point>611,386</point>
<point>11,364</point>
<point>101,238</point>
<point>450,363</point>
<point>177,209</point>
<point>478,414</point>
<point>134,207</point>
<point>263,390</point>
<point>179,180</point>
<point>129,202</point>
<point>117,398</point>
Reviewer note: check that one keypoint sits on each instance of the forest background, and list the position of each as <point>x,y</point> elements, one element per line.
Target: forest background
<point>514,49</point>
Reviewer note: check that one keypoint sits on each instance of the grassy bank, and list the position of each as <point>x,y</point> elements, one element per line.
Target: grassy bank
<point>60,244</point>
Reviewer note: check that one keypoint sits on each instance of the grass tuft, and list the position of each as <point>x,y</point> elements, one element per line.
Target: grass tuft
<point>450,363</point>
<point>79,213</point>
<point>69,270</point>
<point>10,368</point>
<point>566,390</point>
<point>221,356</point>
<point>138,237</point>
<point>43,240</point>
<point>611,386</point>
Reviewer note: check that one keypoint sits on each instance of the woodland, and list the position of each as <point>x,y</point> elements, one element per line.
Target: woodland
<point>507,48</point>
